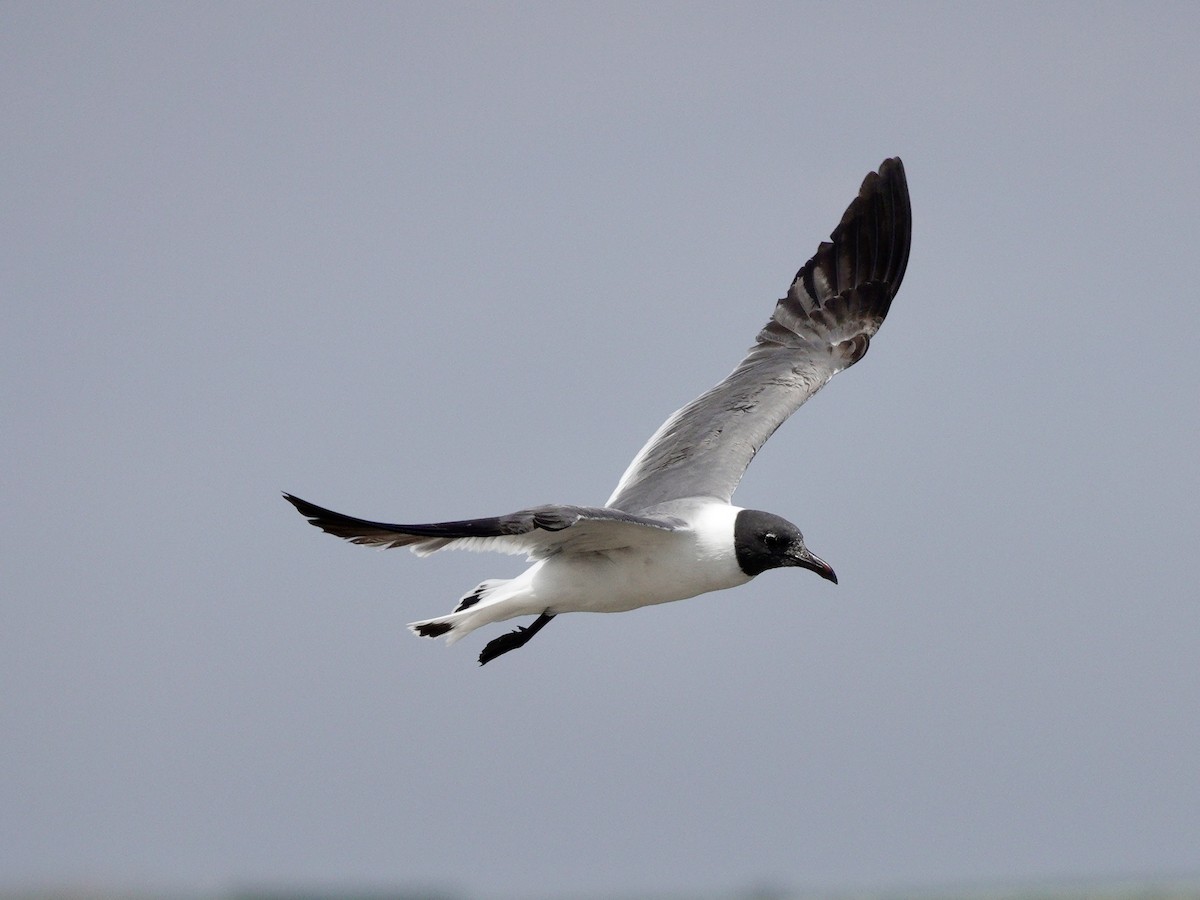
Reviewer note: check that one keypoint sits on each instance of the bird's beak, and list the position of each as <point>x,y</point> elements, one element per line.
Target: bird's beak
<point>806,559</point>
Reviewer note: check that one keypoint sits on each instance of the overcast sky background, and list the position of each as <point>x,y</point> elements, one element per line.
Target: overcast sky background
<point>418,261</point>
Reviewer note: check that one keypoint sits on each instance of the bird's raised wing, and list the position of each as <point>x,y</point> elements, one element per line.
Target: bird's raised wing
<point>836,303</point>
<point>537,532</point>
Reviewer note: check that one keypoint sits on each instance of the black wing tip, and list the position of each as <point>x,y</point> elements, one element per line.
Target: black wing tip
<point>885,193</point>
<point>893,166</point>
<point>386,534</point>
<point>306,509</point>
<point>350,528</point>
<point>853,276</point>
<point>320,516</point>
<point>325,519</point>
<point>890,176</point>
<point>869,244</point>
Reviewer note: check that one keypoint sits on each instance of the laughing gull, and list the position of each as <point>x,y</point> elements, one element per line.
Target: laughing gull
<point>669,531</point>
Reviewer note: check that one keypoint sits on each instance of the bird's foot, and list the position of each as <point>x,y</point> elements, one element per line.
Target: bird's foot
<point>504,643</point>
<point>514,639</point>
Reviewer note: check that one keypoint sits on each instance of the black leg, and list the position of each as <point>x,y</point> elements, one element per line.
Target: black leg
<point>513,639</point>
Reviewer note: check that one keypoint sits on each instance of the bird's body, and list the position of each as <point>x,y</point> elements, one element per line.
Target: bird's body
<point>661,567</point>
<point>672,565</point>
<point>669,532</point>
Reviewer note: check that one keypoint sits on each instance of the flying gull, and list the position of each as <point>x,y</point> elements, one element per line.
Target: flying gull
<point>669,531</point>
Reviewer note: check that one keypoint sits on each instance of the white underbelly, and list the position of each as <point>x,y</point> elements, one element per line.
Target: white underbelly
<point>617,581</point>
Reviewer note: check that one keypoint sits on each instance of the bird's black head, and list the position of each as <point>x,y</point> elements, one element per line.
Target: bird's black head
<point>764,541</point>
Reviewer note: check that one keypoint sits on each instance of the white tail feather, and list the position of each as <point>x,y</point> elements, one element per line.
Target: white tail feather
<point>493,600</point>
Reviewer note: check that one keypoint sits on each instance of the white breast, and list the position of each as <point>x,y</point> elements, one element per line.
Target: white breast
<point>692,562</point>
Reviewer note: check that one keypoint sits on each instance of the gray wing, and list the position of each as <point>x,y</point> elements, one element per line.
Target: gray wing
<point>836,303</point>
<point>537,532</point>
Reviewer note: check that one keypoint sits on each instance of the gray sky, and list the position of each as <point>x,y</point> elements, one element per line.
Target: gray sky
<point>417,262</point>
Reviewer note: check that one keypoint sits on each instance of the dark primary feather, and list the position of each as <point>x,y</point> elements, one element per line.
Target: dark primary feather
<point>535,530</point>
<point>869,247</point>
<point>871,242</point>
<point>836,302</point>
<point>382,534</point>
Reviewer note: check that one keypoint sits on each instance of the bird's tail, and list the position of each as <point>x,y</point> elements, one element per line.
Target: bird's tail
<point>493,600</point>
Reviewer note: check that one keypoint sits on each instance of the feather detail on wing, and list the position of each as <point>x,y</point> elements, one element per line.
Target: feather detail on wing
<point>836,303</point>
<point>538,532</point>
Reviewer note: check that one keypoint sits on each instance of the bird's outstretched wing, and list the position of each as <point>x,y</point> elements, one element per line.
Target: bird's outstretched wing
<point>836,303</point>
<point>537,532</point>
